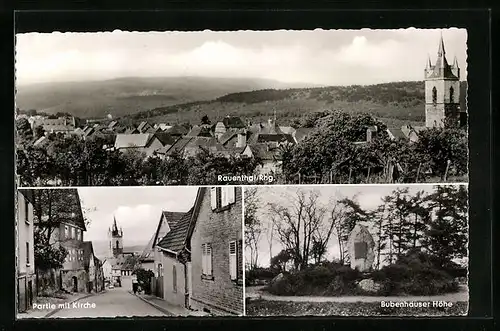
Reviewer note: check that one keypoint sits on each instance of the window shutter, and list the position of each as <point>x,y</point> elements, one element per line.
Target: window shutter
<point>240,259</point>
<point>26,210</point>
<point>224,196</point>
<point>219,197</point>
<point>213,197</point>
<point>174,278</point>
<point>203,260</point>
<point>209,259</point>
<point>231,195</point>
<point>233,263</point>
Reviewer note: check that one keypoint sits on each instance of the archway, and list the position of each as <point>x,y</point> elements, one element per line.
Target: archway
<point>75,284</point>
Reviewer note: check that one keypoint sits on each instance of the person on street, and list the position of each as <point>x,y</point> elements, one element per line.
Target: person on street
<point>135,284</point>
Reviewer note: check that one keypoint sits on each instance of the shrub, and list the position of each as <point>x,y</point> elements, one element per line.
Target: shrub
<point>324,279</point>
<point>260,273</point>
<point>416,273</point>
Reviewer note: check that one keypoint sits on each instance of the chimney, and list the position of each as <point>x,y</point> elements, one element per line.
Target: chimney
<point>242,139</point>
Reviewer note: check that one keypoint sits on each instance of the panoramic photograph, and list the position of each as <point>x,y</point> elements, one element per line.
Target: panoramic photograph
<point>385,250</point>
<point>127,252</point>
<point>241,107</point>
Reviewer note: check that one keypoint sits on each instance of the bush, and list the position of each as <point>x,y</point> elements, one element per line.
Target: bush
<point>326,279</point>
<point>260,273</point>
<point>416,273</point>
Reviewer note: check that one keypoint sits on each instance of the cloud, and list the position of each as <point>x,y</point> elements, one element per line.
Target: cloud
<point>328,57</point>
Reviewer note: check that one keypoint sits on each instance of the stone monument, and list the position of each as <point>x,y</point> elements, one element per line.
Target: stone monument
<point>360,247</point>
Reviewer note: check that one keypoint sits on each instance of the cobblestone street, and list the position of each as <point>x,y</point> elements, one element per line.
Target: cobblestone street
<point>113,303</point>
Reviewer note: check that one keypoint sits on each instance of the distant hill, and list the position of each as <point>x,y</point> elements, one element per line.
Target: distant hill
<point>101,248</point>
<point>124,96</point>
<point>396,103</point>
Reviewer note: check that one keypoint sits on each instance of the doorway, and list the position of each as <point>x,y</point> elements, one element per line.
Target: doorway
<point>30,293</point>
<point>75,284</point>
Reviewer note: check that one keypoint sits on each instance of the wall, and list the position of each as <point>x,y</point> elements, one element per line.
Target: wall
<point>148,265</point>
<point>178,297</point>
<point>67,280</point>
<point>436,113</point>
<point>156,144</point>
<point>220,295</point>
<point>25,235</point>
<point>127,282</point>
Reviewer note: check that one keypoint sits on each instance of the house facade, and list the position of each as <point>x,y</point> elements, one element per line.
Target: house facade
<point>175,262</point>
<point>25,262</point>
<point>202,258</point>
<point>74,277</point>
<point>216,252</point>
<point>107,271</point>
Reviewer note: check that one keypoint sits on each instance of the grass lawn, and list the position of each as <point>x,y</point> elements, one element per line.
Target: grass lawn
<point>260,307</point>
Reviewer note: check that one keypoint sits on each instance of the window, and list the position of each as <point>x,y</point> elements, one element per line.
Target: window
<point>117,244</point>
<point>222,196</point>
<point>360,250</point>
<point>434,95</point>
<point>27,253</point>
<point>206,259</point>
<point>452,92</point>
<point>233,260</point>
<point>174,279</point>
<point>160,270</point>
<point>66,231</point>
<point>26,211</point>
<point>73,233</point>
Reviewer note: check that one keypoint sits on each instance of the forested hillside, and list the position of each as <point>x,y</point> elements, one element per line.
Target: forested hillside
<point>395,102</point>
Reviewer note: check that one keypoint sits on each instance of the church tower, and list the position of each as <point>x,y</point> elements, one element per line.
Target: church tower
<point>115,237</point>
<point>442,91</point>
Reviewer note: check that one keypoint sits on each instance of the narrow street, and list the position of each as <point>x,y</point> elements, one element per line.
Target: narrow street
<point>113,303</point>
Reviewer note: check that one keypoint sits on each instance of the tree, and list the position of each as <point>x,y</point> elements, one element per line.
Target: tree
<point>144,279</point>
<point>297,224</point>
<point>39,131</point>
<point>253,226</point>
<point>441,145</point>
<point>35,166</point>
<point>50,208</point>
<point>379,215</point>
<point>205,120</point>
<point>399,206</point>
<point>281,259</point>
<point>330,146</point>
<point>447,235</point>
<point>23,129</point>
<point>352,214</point>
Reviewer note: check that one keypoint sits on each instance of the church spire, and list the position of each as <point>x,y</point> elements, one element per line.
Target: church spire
<point>441,51</point>
<point>429,65</point>
<point>455,62</point>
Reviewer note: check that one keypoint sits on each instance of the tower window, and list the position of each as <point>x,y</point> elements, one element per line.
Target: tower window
<point>434,95</point>
<point>117,244</point>
<point>452,91</point>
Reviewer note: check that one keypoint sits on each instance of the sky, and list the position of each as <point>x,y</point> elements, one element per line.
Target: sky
<point>321,57</point>
<point>137,210</point>
<point>368,197</point>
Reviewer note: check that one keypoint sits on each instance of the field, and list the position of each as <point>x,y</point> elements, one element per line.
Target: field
<point>284,308</point>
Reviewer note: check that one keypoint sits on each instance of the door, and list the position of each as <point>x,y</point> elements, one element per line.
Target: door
<point>75,284</point>
<point>30,293</point>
